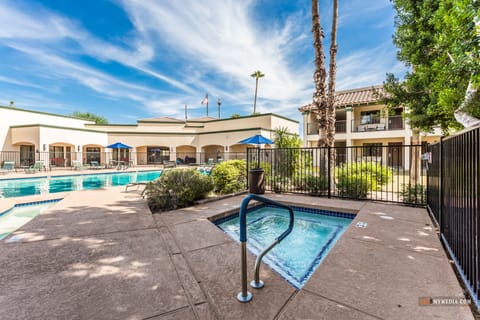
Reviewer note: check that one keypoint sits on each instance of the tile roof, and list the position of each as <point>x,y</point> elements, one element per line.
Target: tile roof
<point>203,119</point>
<point>353,97</point>
<point>161,119</point>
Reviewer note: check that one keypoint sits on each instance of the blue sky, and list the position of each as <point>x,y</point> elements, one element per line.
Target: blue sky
<point>129,59</point>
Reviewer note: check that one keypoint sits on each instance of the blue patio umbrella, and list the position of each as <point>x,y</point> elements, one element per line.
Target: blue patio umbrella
<point>258,140</point>
<point>118,146</point>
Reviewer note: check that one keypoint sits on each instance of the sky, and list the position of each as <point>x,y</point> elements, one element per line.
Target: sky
<point>134,59</point>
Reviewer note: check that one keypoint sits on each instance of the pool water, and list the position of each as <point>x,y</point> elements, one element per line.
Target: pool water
<point>301,252</point>
<point>19,215</point>
<point>45,185</point>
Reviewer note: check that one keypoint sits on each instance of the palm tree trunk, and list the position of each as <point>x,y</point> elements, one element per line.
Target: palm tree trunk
<point>319,77</point>
<point>255,99</point>
<point>330,139</point>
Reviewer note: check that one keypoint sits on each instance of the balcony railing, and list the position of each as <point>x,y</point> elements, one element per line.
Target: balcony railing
<point>379,124</point>
<point>341,126</point>
<point>374,124</point>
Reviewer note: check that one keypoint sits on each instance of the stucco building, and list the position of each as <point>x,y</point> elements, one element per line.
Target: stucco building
<point>362,120</point>
<point>26,136</point>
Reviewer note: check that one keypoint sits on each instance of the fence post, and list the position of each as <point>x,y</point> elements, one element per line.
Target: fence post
<point>328,172</point>
<point>440,180</point>
<point>248,153</point>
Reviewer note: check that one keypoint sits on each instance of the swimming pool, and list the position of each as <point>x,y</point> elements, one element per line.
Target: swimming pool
<point>20,214</point>
<point>45,185</point>
<point>300,253</point>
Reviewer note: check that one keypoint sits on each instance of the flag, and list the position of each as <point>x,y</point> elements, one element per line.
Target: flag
<point>205,100</point>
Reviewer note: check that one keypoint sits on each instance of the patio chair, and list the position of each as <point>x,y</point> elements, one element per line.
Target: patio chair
<point>37,166</point>
<point>77,165</point>
<point>209,162</point>
<point>8,166</point>
<point>95,165</point>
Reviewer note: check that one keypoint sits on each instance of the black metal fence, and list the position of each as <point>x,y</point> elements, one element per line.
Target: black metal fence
<point>64,159</point>
<point>454,201</point>
<point>393,173</point>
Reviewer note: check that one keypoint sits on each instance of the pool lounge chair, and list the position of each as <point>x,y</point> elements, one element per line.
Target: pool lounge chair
<point>8,166</point>
<point>37,166</point>
<point>95,165</point>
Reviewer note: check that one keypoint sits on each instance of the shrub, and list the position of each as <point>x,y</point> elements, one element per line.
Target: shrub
<point>316,183</point>
<point>280,183</point>
<point>230,176</point>
<point>177,189</point>
<point>353,186</point>
<point>373,174</point>
<point>414,193</point>
<point>356,179</point>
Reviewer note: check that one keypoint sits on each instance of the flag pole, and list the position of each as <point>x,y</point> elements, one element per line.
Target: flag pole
<point>186,113</point>
<point>207,104</point>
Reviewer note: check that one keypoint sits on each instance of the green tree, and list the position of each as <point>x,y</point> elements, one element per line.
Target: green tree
<point>90,116</point>
<point>257,75</point>
<point>284,139</point>
<point>439,41</point>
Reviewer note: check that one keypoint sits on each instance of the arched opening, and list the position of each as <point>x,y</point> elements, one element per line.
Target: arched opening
<point>60,154</point>
<point>186,154</point>
<point>26,156</point>
<point>93,152</point>
<point>212,153</point>
<point>237,151</point>
<point>153,155</point>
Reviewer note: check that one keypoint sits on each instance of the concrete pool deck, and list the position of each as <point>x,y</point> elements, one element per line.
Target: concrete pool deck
<point>100,254</point>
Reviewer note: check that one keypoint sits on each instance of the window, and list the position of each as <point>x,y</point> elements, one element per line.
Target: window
<point>27,155</point>
<point>92,154</point>
<point>370,117</point>
<point>157,154</point>
<point>372,149</point>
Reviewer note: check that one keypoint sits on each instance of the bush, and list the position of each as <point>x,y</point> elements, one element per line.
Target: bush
<point>414,193</point>
<point>375,175</point>
<point>356,179</point>
<point>316,183</point>
<point>353,186</point>
<point>230,176</point>
<point>177,189</point>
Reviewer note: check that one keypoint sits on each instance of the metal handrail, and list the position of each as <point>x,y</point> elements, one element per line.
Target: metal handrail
<point>244,295</point>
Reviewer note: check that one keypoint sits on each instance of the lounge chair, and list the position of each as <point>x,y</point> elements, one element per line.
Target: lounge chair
<point>37,166</point>
<point>8,166</point>
<point>77,165</point>
<point>207,170</point>
<point>95,165</point>
<point>209,162</point>
<point>169,164</point>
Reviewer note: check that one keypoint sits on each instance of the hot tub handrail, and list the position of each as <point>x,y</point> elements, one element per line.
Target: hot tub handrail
<point>244,295</point>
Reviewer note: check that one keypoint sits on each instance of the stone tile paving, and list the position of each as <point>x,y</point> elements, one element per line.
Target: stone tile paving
<point>102,255</point>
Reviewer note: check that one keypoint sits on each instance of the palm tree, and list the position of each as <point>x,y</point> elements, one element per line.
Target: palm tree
<point>323,99</point>
<point>257,74</point>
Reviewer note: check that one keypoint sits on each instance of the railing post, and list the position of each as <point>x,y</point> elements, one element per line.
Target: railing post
<point>244,295</point>
<point>328,172</point>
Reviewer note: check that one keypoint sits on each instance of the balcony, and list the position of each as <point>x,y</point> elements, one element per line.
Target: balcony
<point>312,128</point>
<point>379,124</point>
<point>340,127</point>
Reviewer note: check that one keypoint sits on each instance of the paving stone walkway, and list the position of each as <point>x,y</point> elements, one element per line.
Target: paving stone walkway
<point>102,255</point>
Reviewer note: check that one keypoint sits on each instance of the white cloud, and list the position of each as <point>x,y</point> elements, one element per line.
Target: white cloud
<point>189,48</point>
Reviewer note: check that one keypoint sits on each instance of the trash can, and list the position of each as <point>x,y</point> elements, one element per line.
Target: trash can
<point>256,182</point>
